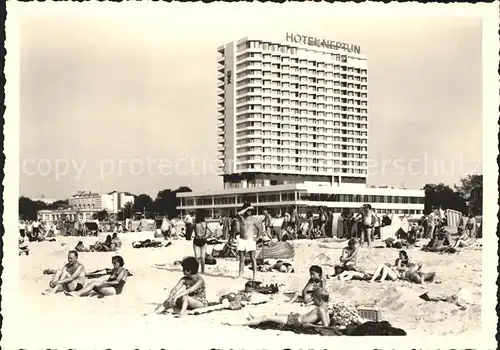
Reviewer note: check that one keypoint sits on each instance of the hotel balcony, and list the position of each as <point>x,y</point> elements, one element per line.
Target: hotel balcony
<point>220,101</point>
<point>220,68</point>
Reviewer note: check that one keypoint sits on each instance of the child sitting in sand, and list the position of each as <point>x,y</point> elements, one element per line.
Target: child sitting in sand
<point>317,315</point>
<point>194,294</point>
<point>349,257</point>
<point>315,282</point>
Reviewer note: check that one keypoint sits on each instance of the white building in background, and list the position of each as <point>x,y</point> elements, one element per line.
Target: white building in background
<point>66,214</point>
<point>44,199</point>
<point>293,110</point>
<point>292,121</point>
<point>114,201</point>
<point>111,202</point>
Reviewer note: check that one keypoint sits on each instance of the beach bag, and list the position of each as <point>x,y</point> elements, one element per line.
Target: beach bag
<point>210,260</point>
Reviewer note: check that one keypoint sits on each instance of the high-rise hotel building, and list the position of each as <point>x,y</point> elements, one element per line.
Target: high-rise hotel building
<point>292,111</point>
<point>292,121</point>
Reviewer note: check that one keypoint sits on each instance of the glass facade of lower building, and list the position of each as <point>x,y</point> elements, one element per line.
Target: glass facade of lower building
<point>279,202</point>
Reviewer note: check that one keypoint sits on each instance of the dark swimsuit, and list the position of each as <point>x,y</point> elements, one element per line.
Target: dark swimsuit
<point>118,287</point>
<point>201,241</point>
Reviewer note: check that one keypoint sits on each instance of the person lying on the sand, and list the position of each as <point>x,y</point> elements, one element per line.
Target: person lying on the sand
<point>280,266</point>
<point>70,278</point>
<point>194,294</point>
<point>80,247</point>
<point>317,315</point>
<point>412,272</point>
<point>113,286</point>
<point>353,275</point>
<point>315,282</point>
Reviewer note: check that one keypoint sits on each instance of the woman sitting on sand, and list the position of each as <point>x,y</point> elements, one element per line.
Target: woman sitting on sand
<point>194,294</point>
<point>105,246</point>
<point>463,241</point>
<point>115,242</point>
<point>80,247</point>
<point>349,257</point>
<point>317,316</point>
<point>113,286</point>
<point>404,270</point>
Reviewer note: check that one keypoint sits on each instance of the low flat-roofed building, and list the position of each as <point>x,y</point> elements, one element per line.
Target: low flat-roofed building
<point>305,197</point>
<point>66,214</point>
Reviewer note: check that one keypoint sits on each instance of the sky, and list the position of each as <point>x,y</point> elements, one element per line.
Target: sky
<point>126,102</point>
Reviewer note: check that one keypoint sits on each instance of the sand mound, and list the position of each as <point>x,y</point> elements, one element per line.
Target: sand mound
<point>398,298</point>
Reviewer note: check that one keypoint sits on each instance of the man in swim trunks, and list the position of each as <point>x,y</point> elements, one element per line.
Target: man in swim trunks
<point>70,278</point>
<point>249,233</point>
<point>368,223</point>
<point>317,315</point>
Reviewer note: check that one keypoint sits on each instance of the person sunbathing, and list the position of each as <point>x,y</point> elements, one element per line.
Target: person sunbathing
<point>349,256</point>
<point>70,278</point>
<point>315,282</point>
<point>403,259</point>
<point>353,275</point>
<point>105,246</point>
<point>318,315</point>
<point>113,286</point>
<point>115,242</point>
<point>80,247</point>
<point>404,270</point>
<point>193,296</point>
<point>462,241</point>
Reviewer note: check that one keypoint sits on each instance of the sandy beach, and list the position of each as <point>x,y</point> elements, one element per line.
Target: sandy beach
<point>154,274</point>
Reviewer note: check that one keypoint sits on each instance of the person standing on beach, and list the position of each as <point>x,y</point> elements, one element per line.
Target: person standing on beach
<point>368,223</point>
<point>267,223</point>
<point>201,231</point>
<point>249,233</point>
<point>70,278</point>
<point>295,221</point>
<point>188,220</point>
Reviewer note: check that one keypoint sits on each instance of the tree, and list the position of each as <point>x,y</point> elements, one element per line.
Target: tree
<point>60,204</point>
<point>444,196</point>
<point>166,201</point>
<point>102,215</point>
<point>471,190</point>
<point>125,212</point>
<point>28,208</point>
<point>143,202</point>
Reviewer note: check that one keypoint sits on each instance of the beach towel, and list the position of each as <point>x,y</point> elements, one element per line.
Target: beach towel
<point>299,329</point>
<point>237,303</point>
<point>280,250</point>
<point>377,329</point>
<point>150,244</point>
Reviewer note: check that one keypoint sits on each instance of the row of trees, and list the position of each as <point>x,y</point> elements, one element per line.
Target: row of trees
<point>467,195</point>
<point>464,197</point>
<point>164,204</point>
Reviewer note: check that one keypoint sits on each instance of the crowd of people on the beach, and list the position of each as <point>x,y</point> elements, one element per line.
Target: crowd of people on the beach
<point>247,230</point>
